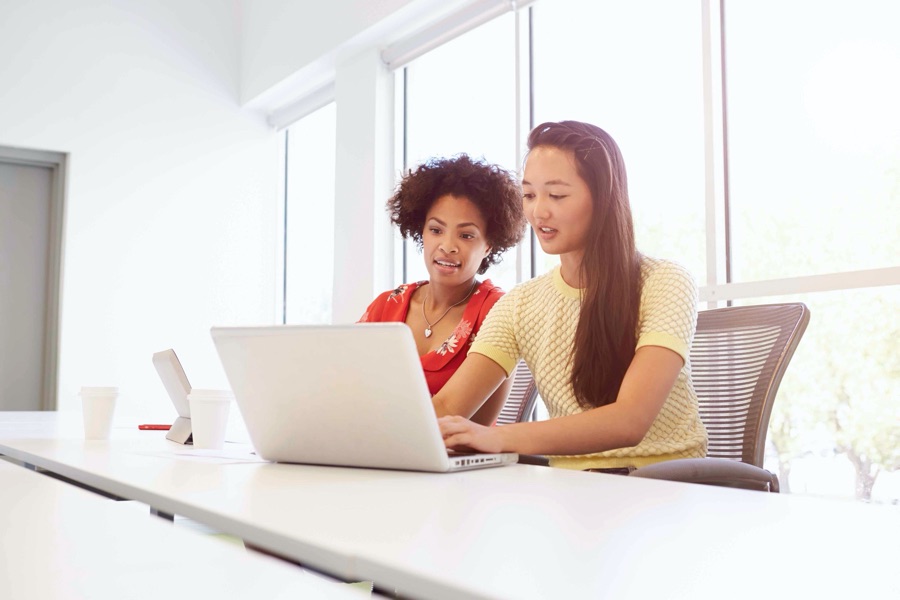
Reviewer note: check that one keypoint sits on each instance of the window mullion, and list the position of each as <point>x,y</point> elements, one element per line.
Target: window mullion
<point>715,148</point>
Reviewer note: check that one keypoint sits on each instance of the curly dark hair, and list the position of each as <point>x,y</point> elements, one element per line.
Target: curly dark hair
<point>494,190</point>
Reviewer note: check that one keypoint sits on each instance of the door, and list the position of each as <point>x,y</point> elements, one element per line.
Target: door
<point>30,235</point>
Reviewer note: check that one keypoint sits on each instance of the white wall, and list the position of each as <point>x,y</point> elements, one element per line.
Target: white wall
<point>173,182</point>
<point>171,223</point>
<point>290,47</point>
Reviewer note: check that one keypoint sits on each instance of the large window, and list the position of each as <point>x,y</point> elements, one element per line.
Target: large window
<point>634,69</point>
<point>835,426</point>
<point>309,218</point>
<point>814,170</point>
<point>813,136</point>
<point>461,97</point>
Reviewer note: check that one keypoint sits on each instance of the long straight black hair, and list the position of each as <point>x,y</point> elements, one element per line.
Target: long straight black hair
<point>607,325</point>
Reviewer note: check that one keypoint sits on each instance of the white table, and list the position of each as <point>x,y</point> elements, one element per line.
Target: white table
<point>60,542</point>
<point>509,532</point>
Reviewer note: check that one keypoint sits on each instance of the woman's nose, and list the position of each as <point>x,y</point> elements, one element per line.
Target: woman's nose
<point>540,208</point>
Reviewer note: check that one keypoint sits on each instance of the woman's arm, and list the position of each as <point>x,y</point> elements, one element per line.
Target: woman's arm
<point>490,410</point>
<point>644,390</point>
<point>478,379</point>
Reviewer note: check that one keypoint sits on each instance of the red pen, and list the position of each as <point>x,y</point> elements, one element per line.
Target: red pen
<point>154,427</point>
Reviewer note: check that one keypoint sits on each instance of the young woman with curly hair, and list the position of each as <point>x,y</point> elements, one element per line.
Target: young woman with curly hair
<point>606,334</point>
<point>463,214</point>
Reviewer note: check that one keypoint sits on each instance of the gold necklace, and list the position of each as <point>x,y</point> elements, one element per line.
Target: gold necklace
<point>430,324</point>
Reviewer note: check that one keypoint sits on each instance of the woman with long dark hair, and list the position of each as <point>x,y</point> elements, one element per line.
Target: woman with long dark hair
<point>606,334</point>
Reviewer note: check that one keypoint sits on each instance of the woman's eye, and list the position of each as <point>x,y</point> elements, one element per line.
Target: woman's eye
<point>434,230</point>
<point>467,236</point>
<point>556,196</point>
<point>528,196</point>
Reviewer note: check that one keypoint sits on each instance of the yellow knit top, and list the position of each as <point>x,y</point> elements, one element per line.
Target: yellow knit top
<point>536,321</point>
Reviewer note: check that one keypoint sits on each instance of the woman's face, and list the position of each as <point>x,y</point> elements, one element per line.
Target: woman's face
<point>557,201</point>
<point>454,240</point>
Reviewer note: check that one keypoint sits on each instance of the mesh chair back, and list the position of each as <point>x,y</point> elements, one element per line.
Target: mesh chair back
<point>520,402</point>
<point>738,358</point>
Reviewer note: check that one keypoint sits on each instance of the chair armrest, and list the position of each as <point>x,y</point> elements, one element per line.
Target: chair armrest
<point>534,459</point>
<point>711,471</point>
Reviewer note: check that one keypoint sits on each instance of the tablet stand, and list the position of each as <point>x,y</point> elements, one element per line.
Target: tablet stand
<point>180,431</point>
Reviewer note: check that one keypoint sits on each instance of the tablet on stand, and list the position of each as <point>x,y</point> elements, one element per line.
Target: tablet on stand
<point>176,383</point>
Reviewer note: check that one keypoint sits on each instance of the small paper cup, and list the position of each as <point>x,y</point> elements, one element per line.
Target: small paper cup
<point>209,417</point>
<point>98,407</point>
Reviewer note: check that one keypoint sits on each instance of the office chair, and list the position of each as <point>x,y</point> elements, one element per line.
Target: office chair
<point>520,402</point>
<point>738,358</point>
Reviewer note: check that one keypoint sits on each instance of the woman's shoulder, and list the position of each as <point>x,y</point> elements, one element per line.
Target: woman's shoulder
<point>401,292</point>
<point>524,294</point>
<point>489,287</point>
<point>663,268</point>
<point>489,290</point>
<point>484,297</point>
<point>664,280</point>
<point>530,286</point>
<point>388,302</point>
<point>535,290</point>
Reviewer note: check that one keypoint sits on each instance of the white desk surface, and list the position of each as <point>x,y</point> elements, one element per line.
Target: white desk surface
<point>61,542</point>
<point>509,532</point>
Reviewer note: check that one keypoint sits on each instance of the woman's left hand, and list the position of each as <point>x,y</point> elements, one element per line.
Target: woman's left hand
<point>463,435</point>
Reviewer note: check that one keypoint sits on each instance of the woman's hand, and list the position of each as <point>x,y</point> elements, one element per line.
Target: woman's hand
<point>463,435</point>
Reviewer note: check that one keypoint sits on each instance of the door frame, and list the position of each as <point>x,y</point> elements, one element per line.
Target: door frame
<point>58,164</point>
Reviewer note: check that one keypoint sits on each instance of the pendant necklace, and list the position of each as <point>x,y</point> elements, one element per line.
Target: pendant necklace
<point>430,324</point>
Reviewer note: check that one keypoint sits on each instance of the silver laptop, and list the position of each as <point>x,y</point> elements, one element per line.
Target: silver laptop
<point>346,395</point>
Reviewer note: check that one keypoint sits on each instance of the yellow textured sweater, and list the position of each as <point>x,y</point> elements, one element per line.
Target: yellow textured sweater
<point>536,321</point>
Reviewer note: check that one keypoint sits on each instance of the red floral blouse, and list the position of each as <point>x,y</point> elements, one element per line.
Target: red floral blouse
<point>442,363</point>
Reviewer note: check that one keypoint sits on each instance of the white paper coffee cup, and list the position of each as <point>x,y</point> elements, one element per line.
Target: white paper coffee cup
<point>209,417</point>
<point>98,406</point>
